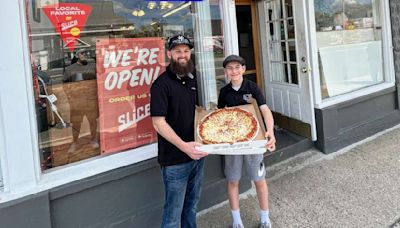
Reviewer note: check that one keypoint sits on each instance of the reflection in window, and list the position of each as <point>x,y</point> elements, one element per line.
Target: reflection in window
<point>349,45</point>
<point>65,65</point>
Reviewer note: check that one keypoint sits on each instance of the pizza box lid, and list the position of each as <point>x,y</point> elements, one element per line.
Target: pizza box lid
<point>256,146</point>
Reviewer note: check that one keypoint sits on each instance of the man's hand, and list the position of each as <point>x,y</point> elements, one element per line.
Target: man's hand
<point>191,151</point>
<point>269,135</point>
<point>164,129</point>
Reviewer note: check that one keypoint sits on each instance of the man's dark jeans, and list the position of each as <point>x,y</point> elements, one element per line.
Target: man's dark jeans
<point>182,186</point>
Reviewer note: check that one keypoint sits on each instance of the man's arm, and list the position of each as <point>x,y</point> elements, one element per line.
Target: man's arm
<point>269,120</point>
<point>165,130</point>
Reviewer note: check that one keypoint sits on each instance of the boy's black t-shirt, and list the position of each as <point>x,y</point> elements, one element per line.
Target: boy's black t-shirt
<point>228,97</point>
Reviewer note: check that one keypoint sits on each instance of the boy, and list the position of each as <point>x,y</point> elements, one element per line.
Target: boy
<point>237,92</point>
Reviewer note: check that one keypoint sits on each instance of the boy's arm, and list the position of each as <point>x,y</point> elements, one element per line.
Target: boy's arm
<point>165,130</point>
<point>269,120</point>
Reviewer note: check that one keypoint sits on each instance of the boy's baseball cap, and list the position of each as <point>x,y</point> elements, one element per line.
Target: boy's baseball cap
<point>233,58</point>
<point>178,40</point>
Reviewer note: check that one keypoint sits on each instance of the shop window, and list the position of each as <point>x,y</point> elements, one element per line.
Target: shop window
<point>93,63</point>
<point>209,51</point>
<point>349,40</point>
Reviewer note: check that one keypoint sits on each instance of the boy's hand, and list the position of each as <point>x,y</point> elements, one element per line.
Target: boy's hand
<point>269,135</point>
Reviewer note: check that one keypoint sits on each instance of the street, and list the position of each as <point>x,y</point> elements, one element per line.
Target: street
<point>358,186</point>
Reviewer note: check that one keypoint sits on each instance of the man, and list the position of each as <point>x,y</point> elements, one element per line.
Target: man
<point>82,100</point>
<point>80,69</point>
<point>173,100</point>
<point>238,92</point>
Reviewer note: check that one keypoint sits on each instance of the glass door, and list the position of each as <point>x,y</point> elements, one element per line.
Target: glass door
<point>288,73</point>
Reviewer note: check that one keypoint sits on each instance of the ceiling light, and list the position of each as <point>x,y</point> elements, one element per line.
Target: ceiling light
<point>151,5</point>
<point>177,9</point>
<point>163,4</point>
<point>138,13</point>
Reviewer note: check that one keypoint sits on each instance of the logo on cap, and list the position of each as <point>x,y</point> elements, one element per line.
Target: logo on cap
<point>181,38</point>
<point>177,40</point>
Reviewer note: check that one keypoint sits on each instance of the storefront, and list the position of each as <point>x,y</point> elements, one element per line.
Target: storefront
<point>329,69</point>
<point>76,144</point>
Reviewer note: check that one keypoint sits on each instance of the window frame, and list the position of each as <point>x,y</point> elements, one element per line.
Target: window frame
<point>18,166</point>
<point>387,54</point>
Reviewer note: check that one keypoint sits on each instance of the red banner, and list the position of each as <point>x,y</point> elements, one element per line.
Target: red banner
<point>126,68</point>
<point>68,19</point>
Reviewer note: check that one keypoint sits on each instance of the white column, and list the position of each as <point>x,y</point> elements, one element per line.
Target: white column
<point>18,128</point>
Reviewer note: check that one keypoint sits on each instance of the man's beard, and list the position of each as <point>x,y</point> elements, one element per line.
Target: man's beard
<point>179,69</point>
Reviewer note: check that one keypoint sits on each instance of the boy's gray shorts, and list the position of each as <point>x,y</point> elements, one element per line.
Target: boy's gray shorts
<point>253,163</point>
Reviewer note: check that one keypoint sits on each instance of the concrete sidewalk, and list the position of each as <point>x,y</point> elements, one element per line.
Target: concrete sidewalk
<point>358,186</point>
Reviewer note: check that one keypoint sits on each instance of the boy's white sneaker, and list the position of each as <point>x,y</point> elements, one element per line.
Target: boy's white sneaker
<point>265,225</point>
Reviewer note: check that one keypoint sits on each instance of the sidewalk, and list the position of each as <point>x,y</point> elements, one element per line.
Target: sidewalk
<point>358,186</point>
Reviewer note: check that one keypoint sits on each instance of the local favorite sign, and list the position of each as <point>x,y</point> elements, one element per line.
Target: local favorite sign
<point>126,68</point>
<point>68,19</point>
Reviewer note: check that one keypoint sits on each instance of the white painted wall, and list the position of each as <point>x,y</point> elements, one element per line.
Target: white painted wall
<point>15,93</point>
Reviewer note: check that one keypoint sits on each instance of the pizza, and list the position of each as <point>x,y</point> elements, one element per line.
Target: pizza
<point>228,125</point>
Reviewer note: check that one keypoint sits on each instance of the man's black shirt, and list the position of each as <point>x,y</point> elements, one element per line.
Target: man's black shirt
<point>228,97</point>
<point>174,98</point>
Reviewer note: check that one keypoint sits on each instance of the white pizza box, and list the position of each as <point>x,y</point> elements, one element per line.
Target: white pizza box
<point>255,146</point>
<point>240,148</point>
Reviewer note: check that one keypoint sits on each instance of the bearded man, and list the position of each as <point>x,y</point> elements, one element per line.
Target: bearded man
<point>172,108</point>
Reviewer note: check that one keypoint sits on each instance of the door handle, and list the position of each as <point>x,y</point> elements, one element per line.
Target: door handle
<point>305,70</point>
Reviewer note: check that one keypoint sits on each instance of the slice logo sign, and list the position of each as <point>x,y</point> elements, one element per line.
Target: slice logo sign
<point>68,19</point>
